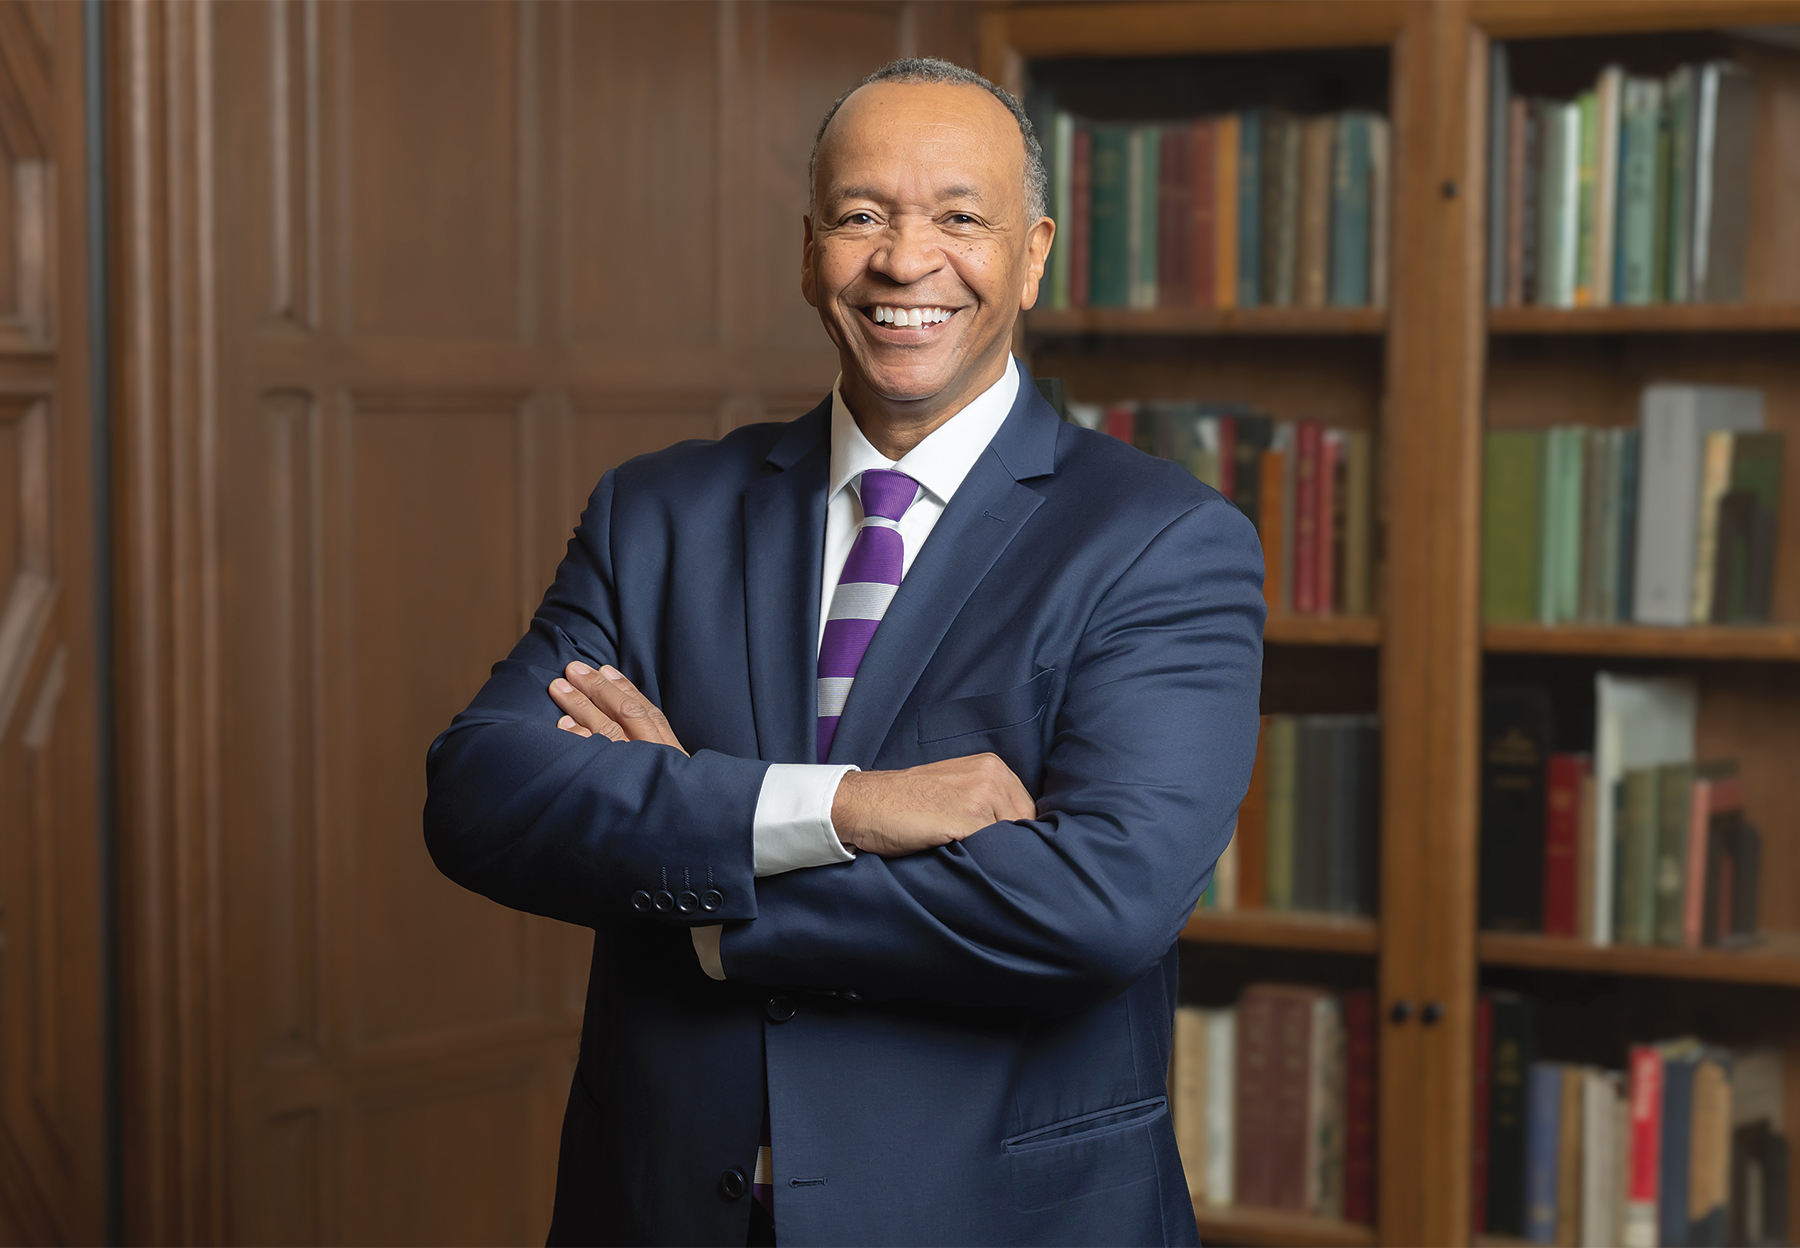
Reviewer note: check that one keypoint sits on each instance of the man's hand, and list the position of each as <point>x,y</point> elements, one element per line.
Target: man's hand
<point>604,702</point>
<point>892,813</point>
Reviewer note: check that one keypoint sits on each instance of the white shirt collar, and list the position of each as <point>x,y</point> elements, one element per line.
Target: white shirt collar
<point>943,459</point>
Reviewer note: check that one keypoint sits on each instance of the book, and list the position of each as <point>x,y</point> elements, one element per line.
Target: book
<point>1513,481</point>
<point>1280,206</point>
<point>1221,1081</point>
<point>1517,730</point>
<point>1673,423</point>
<point>1204,217</point>
<point>1626,523</point>
<point>1142,155</point>
<point>1611,450</point>
<point>1674,811</point>
<point>1744,556</point>
<point>1678,183</point>
<point>1187,1092</point>
<point>1308,438</point>
<point>1326,1072</point>
<point>1514,1050</point>
<point>1559,202</point>
<point>1252,827</point>
<point>1110,218</point>
<point>1709,1151</point>
<point>1228,148</point>
<point>1645,1147</point>
<point>1081,232</point>
<point>1759,1186</point>
<point>1273,517</point>
<point>1699,823</point>
<point>1608,99</point>
<point>1283,768</point>
<point>1317,186</point>
<point>1570,1133</point>
<point>1715,480</point>
<point>1591,577</point>
<point>1543,1138</point>
<point>1499,162</point>
<point>1586,860</point>
<point>1681,1059</point>
<point>1287,442</point>
<point>1251,435</point>
<point>1314,778</point>
<point>1563,785</point>
<point>1359,523</point>
<point>1639,722</point>
<point>1637,830</point>
<point>1062,205</point>
<point>1640,188</point>
<point>1250,291</point>
<point>1602,1093</point>
<point>1259,1076</point>
<point>1351,211</point>
<point>1380,199</point>
<point>1328,528</point>
<point>1724,148</point>
<point>1360,1105</point>
<point>1522,211</point>
<point>1297,1126</point>
<point>1175,216</point>
<point>1565,461</point>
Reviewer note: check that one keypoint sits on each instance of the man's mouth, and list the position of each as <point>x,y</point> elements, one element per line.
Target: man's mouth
<point>907,318</point>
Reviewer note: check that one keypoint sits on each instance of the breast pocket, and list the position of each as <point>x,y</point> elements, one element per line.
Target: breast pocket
<point>1084,1156</point>
<point>1021,705</point>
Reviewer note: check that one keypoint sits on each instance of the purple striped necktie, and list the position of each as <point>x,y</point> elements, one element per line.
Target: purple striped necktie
<point>864,589</point>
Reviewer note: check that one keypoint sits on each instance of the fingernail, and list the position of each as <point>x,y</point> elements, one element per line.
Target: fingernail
<point>560,685</point>
<point>610,672</point>
<point>580,668</point>
<point>565,721</point>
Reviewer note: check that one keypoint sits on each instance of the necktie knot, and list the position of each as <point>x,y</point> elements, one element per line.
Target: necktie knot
<point>887,493</point>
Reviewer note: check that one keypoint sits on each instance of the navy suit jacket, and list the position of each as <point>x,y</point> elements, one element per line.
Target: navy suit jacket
<point>967,1045</point>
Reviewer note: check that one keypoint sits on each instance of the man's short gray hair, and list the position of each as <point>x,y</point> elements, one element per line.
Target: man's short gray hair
<point>929,69</point>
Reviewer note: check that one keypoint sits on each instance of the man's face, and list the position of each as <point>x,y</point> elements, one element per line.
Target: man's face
<point>919,257</point>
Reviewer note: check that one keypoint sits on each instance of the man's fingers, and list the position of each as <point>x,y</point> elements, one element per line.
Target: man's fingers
<point>567,724</point>
<point>581,711</point>
<point>619,699</point>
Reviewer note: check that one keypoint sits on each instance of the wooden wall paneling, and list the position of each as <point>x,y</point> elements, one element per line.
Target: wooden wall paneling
<point>51,1077</point>
<point>1430,660</point>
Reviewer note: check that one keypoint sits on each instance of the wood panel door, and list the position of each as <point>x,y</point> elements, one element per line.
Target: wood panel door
<point>399,281</point>
<point>51,1077</point>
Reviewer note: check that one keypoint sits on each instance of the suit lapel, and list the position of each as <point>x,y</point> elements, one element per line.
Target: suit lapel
<point>987,512</point>
<point>784,546</point>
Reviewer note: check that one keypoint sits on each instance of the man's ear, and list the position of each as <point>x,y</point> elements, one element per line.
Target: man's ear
<point>1037,254</point>
<point>808,285</point>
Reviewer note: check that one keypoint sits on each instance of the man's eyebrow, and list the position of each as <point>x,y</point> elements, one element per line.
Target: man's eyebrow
<point>869,192</point>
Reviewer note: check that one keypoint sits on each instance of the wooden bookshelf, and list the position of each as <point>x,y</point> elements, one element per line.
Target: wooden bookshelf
<point>1662,318</point>
<point>1773,643</point>
<point>1283,929</point>
<point>1257,1228</point>
<point>1175,321</point>
<point>1323,630</point>
<point>1774,960</point>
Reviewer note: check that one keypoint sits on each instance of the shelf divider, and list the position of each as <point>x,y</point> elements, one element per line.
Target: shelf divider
<point>1764,642</point>
<point>1668,318</point>
<point>1275,1228</point>
<point>1174,321</point>
<point>1774,960</point>
<point>1283,929</point>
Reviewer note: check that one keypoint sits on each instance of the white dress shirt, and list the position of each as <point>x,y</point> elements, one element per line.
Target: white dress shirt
<point>792,825</point>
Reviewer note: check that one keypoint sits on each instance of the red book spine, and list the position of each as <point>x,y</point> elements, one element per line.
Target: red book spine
<point>1228,456</point>
<point>1204,244</point>
<point>1121,422</point>
<point>1359,1106</point>
<point>1254,1167</point>
<point>1478,1149</point>
<point>1306,516</point>
<point>1645,1143</point>
<point>1293,1053</point>
<point>1174,207</point>
<point>1327,533</point>
<point>1562,842</point>
<point>1081,191</point>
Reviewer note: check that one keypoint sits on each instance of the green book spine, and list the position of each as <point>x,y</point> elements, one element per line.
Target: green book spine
<point>1147,167</point>
<point>1665,150</point>
<point>1635,914</point>
<point>1278,816</point>
<point>1249,214</point>
<point>1109,276</point>
<point>1062,206</point>
<point>1587,202</point>
<point>1350,209</point>
<point>1280,207</point>
<point>1571,467</point>
<point>1548,520</point>
<point>1638,182</point>
<point>1675,784</point>
<point>1513,483</point>
<point>1679,234</point>
<point>1756,471</point>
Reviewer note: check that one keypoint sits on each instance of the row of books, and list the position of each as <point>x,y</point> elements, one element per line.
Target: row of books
<point>1259,207</point>
<point>1273,1101</point>
<point>1308,489</point>
<point>1635,192</point>
<point>1684,1147</point>
<point>1634,843</point>
<point>1309,828</point>
<point>1673,522</point>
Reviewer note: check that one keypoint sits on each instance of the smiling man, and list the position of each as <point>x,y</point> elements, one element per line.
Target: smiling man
<point>886,752</point>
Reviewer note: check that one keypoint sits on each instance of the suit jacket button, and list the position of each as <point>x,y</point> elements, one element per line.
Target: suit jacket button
<point>711,900</point>
<point>779,1009</point>
<point>732,1184</point>
<point>640,901</point>
<point>686,902</point>
<point>664,900</point>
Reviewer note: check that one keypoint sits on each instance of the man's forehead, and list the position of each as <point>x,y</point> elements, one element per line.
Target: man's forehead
<point>926,113</point>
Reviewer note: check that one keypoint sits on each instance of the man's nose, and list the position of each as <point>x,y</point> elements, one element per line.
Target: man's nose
<point>910,251</point>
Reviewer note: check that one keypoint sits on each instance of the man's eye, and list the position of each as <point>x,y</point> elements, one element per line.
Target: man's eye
<point>859,218</point>
<point>961,218</point>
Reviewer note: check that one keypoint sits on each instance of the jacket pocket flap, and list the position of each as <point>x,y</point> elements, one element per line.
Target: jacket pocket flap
<point>1086,1126</point>
<point>985,712</point>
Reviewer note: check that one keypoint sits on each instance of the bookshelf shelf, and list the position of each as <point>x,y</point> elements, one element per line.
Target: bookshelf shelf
<point>1777,643</point>
<point>1283,929</point>
<point>1274,1228</point>
<point>1323,630</point>
<point>1149,322</point>
<point>1668,318</point>
<point>1773,962</point>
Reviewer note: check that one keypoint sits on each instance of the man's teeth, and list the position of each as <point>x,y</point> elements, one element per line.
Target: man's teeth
<point>913,317</point>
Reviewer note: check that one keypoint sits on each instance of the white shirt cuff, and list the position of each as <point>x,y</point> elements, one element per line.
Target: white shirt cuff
<point>706,946</point>
<point>792,826</point>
